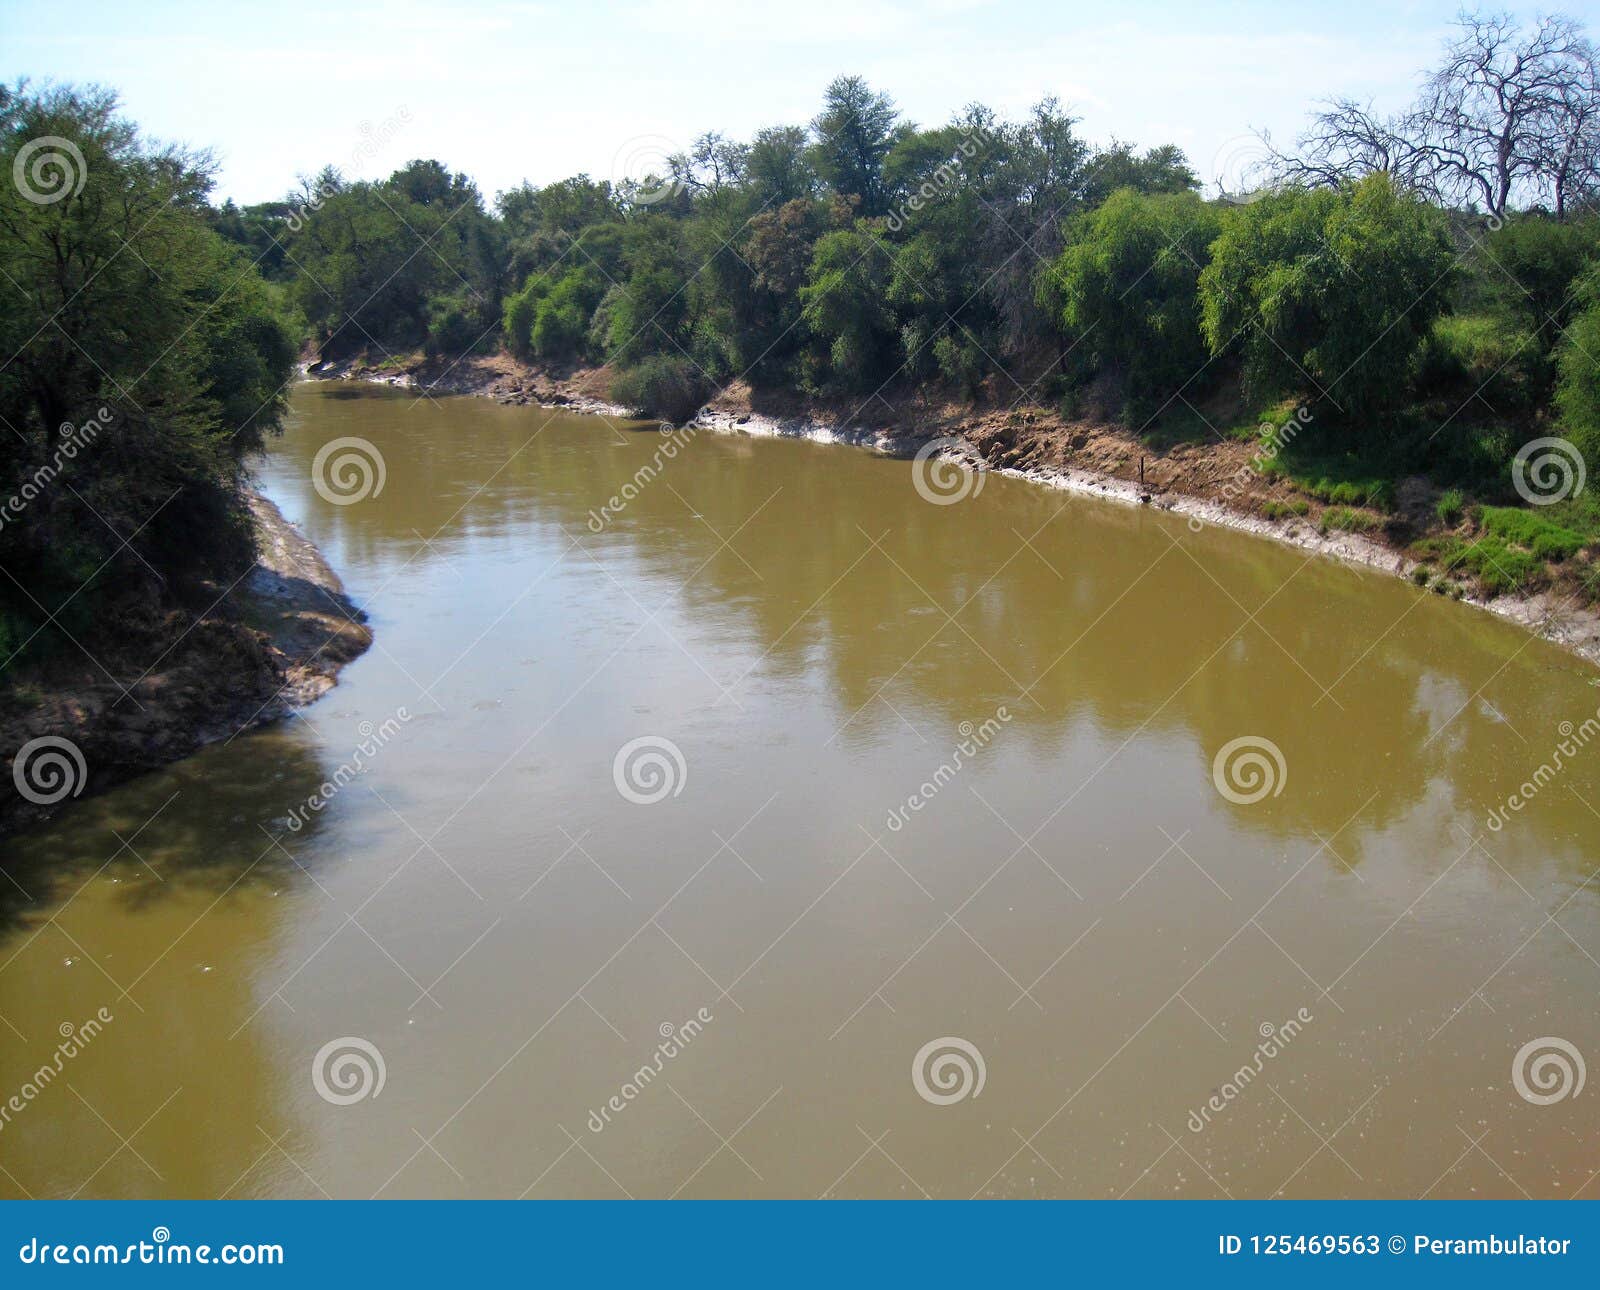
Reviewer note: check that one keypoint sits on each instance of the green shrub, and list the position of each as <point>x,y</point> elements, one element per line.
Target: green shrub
<point>1578,388</point>
<point>1533,261</point>
<point>1497,567</point>
<point>1449,506</point>
<point>1543,537</point>
<point>669,388</point>
<point>1275,510</point>
<point>453,326</point>
<point>1128,282</point>
<point>1338,285</point>
<point>1489,356</point>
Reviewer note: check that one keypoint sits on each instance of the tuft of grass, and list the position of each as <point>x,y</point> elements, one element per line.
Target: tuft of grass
<point>1274,510</point>
<point>1545,538</point>
<point>1350,521</point>
<point>1421,574</point>
<point>1450,507</point>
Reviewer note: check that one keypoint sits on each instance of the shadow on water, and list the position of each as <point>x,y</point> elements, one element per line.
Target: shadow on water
<point>198,827</point>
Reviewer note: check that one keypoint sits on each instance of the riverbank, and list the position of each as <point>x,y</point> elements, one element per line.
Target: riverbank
<point>269,645</point>
<point>1217,483</point>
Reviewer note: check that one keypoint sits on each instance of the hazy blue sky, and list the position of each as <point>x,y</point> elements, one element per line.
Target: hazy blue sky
<point>508,90</point>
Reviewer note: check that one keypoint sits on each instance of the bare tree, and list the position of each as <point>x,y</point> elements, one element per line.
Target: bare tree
<point>1572,145</point>
<point>714,162</point>
<point>1488,111</point>
<point>1511,116</point>
<point>1348,140</point>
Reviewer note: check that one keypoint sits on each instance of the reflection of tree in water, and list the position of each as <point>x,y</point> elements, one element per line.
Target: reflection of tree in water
<point>1116,617</point>
<point>214,834</point>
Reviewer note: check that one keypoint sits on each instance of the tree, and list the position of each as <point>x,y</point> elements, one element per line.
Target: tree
<point>1348,140</point>
<point>1328,291</point>
<point>844,304</point>
<point>778,168</point>
<point>852,136</point>
<point>128,313</point>
<point>1510,117</point>
<point>1492,109</point>
<point>1127,283</point>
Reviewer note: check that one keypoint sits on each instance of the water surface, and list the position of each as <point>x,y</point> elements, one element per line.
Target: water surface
<point>1070,894</point>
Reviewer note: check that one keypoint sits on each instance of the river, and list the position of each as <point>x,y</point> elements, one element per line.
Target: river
<point>777,831</point>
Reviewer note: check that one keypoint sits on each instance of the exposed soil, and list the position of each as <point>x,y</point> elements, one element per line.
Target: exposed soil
<point>271,644</point>
<point>1210,483</point>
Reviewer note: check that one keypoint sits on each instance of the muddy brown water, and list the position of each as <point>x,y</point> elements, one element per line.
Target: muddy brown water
<point>926,773</point>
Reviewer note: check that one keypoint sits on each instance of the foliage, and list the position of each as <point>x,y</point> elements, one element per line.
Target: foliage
<point>1577,396</point>
<point>1127,283</point>
<point>1545,538</point>
<point>124,300</point>
<point>1331,289</point>
<point>844,305</point>
<point>669,388</point>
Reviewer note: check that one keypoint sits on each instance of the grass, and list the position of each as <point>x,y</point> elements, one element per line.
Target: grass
<point>1337,481</point>
<point>1450,507</point>
<point>1543,537</point>
<point>1350,521</point>
<point>1498,567</point>
<point>1283,510</point>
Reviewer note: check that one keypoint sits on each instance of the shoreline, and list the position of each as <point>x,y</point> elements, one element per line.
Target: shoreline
<point>1031,445</point>
<point>264,650</point>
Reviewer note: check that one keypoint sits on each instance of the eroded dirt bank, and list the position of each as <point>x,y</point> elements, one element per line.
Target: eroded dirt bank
<point>1212,483</point>
<point>271,644</point>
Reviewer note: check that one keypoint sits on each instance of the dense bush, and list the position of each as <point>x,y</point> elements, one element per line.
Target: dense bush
<point>148,344</point>
<point>1578,394</point>
<point>1127,283</point>
<point>844,304</point>
<point>671,389</point>
<point>1331,290</point>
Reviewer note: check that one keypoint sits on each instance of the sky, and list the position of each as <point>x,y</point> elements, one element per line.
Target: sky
<point>508,91</point>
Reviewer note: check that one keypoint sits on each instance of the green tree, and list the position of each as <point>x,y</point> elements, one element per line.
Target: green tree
<point>1127,287</point>
<point>844,303</point>
<point>1329,291</point>
<point>852,137</point>
<point>123,299</point>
